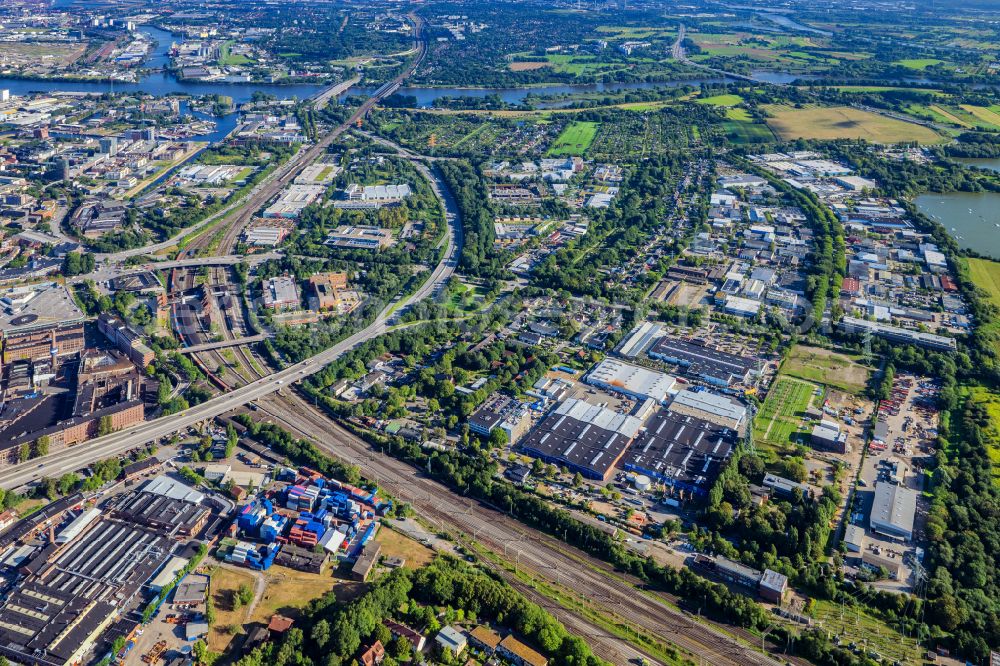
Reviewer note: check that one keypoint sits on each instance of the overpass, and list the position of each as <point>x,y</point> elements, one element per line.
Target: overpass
<point>222,344</point>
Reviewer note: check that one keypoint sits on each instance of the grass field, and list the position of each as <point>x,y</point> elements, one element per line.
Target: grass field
<point>395,544</point>
<point>227,58</point>
<point>288,591</point>
<point>826,367</point>
<point>987,114</point>
<point>844,122</point>
<point>575,139</point>
<point>225,583</point>
<point>779,422</point>
<point>986,275</point>
<point>918,63</point>
<point>740,128</point>
<point>721,100</point>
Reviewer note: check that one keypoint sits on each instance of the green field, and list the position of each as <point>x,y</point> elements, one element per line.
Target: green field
<point>825,367</point>
<point>918,63</point>
<point>741,131</point>
<point>843,122</point>
<point>575,139</point>
<point>227,58</point>
<point>721,100</point>
<point>986,275</point>
<point>779,424</point>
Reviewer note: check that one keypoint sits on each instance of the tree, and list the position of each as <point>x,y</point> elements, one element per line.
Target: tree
<point>400,649</point>
<point>321,633</point>
<point>104,426</point>
<point>42,446</point>
<point>498,438</point>
<point>24,452</point>
<point>245,594</point>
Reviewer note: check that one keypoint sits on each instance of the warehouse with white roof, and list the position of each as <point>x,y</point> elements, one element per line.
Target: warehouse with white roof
<point>632,380</point>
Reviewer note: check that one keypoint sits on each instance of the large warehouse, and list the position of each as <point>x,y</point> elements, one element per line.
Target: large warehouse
<point>586,438</point>
<point>683,452</point>
<point>894,510</point>
<point>632,380</point>
<point>706,363</point>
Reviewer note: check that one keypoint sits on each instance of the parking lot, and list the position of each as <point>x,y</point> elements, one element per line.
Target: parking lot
<point>903,441</point>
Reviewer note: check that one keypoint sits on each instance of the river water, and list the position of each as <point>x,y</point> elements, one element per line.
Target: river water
<point>972,218</point>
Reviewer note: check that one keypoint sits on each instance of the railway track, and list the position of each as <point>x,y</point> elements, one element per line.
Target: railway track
<point>616,595</point>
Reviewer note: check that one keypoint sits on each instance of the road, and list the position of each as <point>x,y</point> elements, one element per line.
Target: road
<point>68,460</point>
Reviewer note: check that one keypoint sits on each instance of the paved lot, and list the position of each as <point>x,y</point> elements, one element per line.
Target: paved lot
<point>911,423</point>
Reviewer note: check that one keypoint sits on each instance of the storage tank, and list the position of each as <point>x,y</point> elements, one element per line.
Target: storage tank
<point>642,482</point>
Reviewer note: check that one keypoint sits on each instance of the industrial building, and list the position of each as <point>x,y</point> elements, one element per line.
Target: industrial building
<point>169,511</point>
<point>721,410</point>
<point>293,200</point>
<point>893,510</point>
<point>897,334</point>
<point>280,293</point>
<point>683,452</point>
<point>92,569</point>
<point>827,436</point>
<point>785,487</point>
<point>40,322</point>
<point>710,365</point>
<point>641,339</point>
<point>770,585</point>
<point>500,411</point>
<point>125,339</point>
<point>359,237</point>
<point>631,380</point>
<point>586,438</point>
<point>854,538</point>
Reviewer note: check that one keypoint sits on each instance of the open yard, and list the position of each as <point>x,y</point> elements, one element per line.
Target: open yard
<point>780,419</point>
<point>225,583</point>
<point>289,590</point>
<point>395,544</point>
<point>575,139</point>
<point>844,122</point>
<point>826,367</point>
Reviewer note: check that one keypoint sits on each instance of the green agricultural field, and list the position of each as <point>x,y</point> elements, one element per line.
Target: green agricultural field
<point>780,424</point>
<point>721,100</point>
<point>843,122</point>
<point>826,367</point>
<point>575,139</point>
<point>918,63</point>
<point>740,131</point>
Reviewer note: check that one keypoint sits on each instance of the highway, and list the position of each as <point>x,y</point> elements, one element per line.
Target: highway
<point>115,444</point>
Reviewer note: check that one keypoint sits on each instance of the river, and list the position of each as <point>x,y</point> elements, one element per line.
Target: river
<point>988,163</point>
<point>162,83</point>
<point>972,218</point>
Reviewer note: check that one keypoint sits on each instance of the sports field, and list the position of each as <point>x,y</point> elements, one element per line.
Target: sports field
<point>826,367</point>
<point>575,139</point>
<point>779,423</point>
<point>844,122</point>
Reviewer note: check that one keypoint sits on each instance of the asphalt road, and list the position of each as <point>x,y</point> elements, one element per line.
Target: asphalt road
<point>68,460</point>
